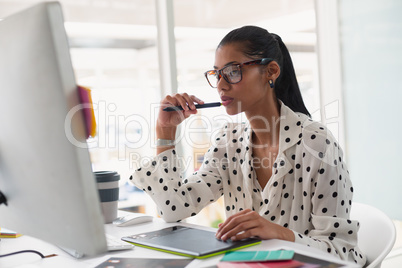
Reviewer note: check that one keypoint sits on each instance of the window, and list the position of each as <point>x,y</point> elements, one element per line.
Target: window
<point>114,52</point>
<point>199,27</point>
<point>119,62</point>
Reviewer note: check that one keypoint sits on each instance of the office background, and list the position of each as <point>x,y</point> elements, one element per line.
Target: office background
<point>347,56</point>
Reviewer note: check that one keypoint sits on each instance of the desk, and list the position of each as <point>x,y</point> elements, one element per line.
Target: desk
<point>65,260</point>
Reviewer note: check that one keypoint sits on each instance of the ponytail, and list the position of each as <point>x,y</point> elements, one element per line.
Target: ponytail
<point>259,43</point>
<point>286,86</point>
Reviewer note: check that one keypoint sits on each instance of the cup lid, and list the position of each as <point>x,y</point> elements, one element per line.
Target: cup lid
<point>106,176</point>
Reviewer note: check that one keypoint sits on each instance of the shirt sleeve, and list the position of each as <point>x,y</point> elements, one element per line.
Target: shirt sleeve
<point>175,197</point>
<point>332,194</point>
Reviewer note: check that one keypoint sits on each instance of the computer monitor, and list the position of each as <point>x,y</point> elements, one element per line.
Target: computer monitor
<point>45,169</point>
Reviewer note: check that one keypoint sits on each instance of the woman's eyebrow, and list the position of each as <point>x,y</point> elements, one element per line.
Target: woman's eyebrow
<point>229,63</point>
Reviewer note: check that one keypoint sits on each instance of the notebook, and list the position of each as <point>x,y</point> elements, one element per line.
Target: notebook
<point>188,241</point>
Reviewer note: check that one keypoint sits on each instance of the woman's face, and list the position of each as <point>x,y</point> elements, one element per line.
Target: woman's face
<point>251,92</point>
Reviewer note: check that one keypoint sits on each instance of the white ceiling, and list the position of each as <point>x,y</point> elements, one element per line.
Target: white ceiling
<point>188,13</point>
<point>199,26</point>
<point>131,23</point>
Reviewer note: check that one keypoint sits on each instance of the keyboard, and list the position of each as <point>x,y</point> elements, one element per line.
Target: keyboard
<point>114,243</point>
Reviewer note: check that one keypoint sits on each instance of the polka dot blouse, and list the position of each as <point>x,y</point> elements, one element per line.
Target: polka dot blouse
<point>309,191</point>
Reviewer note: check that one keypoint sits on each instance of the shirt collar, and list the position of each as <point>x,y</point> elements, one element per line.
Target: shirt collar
<point>290,124</point>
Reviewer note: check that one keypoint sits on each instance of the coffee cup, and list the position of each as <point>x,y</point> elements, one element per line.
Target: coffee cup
<point>108,187</point>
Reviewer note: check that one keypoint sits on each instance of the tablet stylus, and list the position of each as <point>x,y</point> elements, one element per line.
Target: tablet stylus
<point>197,106</point>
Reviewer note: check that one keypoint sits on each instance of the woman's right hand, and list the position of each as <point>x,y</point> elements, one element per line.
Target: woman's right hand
<point>173,119</point>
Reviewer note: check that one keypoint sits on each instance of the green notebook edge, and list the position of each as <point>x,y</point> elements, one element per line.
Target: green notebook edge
<point>196,257</point>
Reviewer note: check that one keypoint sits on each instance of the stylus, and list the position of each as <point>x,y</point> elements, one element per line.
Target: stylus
<point>197,106</point>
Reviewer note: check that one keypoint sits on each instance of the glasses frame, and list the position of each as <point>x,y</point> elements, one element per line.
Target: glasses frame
<point>263,61</point>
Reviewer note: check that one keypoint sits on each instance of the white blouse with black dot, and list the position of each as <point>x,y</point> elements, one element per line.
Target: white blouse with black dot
<point>309,191</point>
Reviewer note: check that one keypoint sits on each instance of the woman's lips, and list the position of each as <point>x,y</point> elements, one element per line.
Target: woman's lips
<point>226,100</point>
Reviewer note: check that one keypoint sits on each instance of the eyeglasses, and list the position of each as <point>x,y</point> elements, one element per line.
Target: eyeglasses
<point>232,73</point>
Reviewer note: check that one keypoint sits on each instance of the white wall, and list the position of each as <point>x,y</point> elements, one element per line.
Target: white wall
<point>371,54</point>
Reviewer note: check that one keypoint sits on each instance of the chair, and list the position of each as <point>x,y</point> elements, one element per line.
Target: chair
<point>376,235</point>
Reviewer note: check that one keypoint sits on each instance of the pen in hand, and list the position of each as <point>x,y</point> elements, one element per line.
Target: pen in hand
<point>197,106</point>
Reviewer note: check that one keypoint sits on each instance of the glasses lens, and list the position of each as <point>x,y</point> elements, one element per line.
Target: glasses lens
<point>232,73</point>
<point>212,77</point>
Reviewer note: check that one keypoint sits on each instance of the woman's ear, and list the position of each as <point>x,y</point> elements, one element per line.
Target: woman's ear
<point>273,70</point>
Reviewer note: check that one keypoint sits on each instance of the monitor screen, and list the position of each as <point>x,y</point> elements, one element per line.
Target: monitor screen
<point>45,169</point>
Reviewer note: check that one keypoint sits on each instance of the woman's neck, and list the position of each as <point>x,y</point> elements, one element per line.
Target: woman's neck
<point>265,124</point>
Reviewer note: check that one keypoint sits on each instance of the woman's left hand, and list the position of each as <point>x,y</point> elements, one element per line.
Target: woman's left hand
<point>248,223</point>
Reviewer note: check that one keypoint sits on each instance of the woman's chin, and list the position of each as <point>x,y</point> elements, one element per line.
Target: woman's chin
<point>231,111</point>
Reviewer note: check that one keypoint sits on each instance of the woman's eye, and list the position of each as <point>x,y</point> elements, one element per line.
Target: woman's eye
<point>234,73</point>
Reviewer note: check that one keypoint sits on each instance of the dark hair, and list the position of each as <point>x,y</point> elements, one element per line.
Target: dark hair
<point>259,43</point>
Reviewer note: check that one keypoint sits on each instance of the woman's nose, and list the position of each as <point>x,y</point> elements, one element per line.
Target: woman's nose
<point>222,84</point>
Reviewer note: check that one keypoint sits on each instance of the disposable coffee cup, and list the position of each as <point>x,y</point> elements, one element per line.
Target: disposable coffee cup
<point>108,187</point>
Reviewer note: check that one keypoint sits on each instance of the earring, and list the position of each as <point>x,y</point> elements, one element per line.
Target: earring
<point>271,83</point>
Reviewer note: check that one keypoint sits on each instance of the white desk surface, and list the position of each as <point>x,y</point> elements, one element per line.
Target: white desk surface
<point>30,260</point>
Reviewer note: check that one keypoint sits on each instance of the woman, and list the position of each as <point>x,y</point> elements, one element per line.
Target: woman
<point>282,175</point>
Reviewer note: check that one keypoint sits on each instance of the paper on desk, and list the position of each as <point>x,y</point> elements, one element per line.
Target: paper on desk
<point>278,264</point>
<point>5,233</point>
<point>258,256</point>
